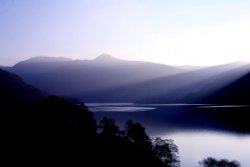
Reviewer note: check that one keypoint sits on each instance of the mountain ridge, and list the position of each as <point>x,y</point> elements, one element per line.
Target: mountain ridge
<point>71,77</point>
<point>45,59</point>
<point>238,92</point>
<point>107,78</point>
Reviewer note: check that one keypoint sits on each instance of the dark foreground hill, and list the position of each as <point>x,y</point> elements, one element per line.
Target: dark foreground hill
<point>13,88</point>
<point>58,132</point>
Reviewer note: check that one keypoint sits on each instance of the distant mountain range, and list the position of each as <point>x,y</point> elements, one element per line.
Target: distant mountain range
<point>44,125</point>
<point>108,79</point>
<point>227,87</point>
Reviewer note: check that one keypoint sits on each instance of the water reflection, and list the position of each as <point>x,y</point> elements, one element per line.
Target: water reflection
<point>223,106</point>
<point>162,117</point>
<point>120,109</point>
<point>108,104</point>
<point>199,130</point>
<point>196,145</point>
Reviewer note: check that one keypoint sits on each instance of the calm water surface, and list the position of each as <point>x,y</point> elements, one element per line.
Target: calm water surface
<point>195,139</point>
<point>196,145</point>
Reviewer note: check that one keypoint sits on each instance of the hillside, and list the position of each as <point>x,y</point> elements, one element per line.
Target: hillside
<point>237,92</point>
<point>13,88</point>
<point>33,133</point>
<point>108,79</point>
<point>69,78</point>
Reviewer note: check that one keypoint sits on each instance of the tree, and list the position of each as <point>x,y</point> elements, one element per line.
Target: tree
<point>209,162</point>
<point>135,132</point>
<point>212,162</point>
<point>108,128</point>
<point>166,151</point>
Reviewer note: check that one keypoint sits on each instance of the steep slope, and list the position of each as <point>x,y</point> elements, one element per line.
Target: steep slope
<point>219,69</point>
<point>237,92</point>
<point>216,79</point>
<point>13,88</point>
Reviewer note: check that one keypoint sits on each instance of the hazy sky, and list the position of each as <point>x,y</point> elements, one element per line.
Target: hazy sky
<point>199,32</point>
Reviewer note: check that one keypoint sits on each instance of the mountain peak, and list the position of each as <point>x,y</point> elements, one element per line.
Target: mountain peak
<point>106,58</point>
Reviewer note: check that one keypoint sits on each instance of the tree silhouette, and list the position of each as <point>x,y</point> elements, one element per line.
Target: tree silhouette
<point>135,132</point>
<point>35,131</point>
<point>212,162</point>
<point>108,128</point>
<point>166,151</point>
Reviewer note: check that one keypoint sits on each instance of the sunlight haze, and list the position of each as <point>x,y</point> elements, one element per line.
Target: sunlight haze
<point>170,32</point>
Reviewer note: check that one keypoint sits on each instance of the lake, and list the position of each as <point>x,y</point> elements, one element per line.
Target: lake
<point>199,130</point>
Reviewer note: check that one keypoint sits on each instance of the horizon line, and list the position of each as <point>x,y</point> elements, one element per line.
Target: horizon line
<point>118,58</point>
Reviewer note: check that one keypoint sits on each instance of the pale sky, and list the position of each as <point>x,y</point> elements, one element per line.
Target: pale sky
<point>175,32</point>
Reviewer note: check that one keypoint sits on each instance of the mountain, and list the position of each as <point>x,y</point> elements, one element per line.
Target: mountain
<point>45,59</point>
<point>190,68</point>
<point>186,87</point>
<point>54,126</point>
<point>237,92</point>
<point>105,58</point>
<point>71,78</point>
<point>213,79</point>
<point>108,79</point>
<point>13,88</point>
<point>219,69</point>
